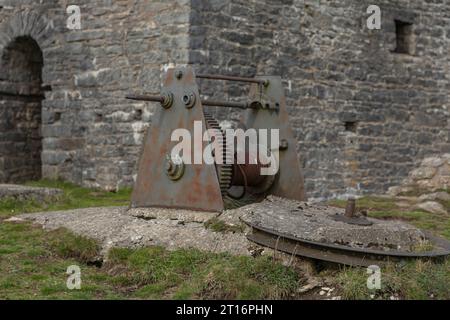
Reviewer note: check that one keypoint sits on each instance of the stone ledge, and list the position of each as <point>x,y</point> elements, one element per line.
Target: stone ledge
<point>20,192</point>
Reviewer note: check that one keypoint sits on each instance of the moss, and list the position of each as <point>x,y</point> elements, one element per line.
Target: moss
<point>217,225</point>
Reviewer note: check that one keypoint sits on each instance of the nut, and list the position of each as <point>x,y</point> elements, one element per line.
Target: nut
<point>174,167</point>
<point>167,99</point>
<point>189,99</point>
<point>179,74</point>
<point>284,144</point>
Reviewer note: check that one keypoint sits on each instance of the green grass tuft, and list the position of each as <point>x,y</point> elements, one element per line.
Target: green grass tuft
<point>417,280</point>
<point>192,274</point>
<point>34,264</point>
<point>68,245</point>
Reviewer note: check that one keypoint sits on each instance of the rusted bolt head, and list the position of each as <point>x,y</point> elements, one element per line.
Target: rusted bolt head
<point>189,99</point>
<point>169,165</point>
<point>174,169</point>
<point>179,74</point>
<point>284,144</point>
<point>167,99</point>
<point>256,105</point>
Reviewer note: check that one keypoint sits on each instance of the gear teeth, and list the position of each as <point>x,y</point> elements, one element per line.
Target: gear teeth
<point>224,171</point>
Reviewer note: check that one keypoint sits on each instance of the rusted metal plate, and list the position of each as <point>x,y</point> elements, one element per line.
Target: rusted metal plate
<point>198,188</point>
<point>342,254</point>
<point>289,183</point>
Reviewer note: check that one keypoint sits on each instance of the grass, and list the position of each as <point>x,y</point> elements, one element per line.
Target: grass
<point>414,280</point>
<point>369,203</point>
<point>68,245</point>
<point>74,197</point>
<point>421,280</point>
<point>192,274</point>
<point>34,262</point>
<point>386,208</point>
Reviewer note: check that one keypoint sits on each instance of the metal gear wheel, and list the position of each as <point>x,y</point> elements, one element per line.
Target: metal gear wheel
<point>225,170</point>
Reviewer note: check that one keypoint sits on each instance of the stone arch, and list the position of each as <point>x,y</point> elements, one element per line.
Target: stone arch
<point>27,24</point>
<point>21,95</point>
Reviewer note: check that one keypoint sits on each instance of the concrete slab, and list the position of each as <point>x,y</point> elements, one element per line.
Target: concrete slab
<point>313,222</point>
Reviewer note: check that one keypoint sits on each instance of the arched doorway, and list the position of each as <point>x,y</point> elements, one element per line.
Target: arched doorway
<point>20,111</point>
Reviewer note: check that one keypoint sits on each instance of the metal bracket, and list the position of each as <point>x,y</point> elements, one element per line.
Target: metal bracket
<point>164,184</point>
<point>289,182</point>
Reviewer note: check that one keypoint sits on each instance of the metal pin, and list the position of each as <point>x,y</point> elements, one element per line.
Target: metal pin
<point>351,208</point>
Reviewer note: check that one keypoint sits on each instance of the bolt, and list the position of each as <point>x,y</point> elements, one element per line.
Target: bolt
<point>179,74</point>
<point>167,100</point>
<point>169,166</point>
<point>284,144</point>
<point>189,99</point>
<point>174,170</point>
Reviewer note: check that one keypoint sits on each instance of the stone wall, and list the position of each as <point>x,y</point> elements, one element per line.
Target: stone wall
<point>363,115</point>
<point>91,134</point>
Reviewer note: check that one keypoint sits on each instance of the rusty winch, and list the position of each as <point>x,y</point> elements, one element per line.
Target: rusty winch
<point>164,181</point>
<point>275,207</point>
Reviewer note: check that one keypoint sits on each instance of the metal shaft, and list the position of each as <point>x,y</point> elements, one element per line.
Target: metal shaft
<point>209,103</point>
<point>145,98</point>
<point>351,208</point>
<point>226,104</point>
<point>230,78</point>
